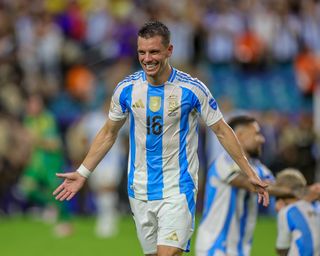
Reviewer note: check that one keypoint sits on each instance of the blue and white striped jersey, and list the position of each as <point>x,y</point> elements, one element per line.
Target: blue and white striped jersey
<point>229,215</point>
<point>299,229</point>
<point>163,124</point>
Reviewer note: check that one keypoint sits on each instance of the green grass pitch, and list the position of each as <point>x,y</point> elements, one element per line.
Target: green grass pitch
<point>22,236</point>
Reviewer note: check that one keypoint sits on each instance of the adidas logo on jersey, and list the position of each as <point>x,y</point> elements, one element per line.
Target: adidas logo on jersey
<point>173,237</point>
<point>138,104</point>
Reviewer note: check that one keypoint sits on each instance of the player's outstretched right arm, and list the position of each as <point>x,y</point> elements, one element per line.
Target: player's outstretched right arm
<point>102,143</point>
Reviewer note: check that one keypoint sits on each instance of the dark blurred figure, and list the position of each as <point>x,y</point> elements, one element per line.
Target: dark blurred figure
<point>297,147</point>
<point>38,178</point>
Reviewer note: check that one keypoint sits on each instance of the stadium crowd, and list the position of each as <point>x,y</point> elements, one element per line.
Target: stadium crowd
<point>73,53</point>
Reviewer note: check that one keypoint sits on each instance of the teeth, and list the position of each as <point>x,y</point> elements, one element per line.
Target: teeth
<point>150,66</point>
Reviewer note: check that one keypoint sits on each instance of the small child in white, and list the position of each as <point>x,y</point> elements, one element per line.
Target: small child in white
<point>298,219</point>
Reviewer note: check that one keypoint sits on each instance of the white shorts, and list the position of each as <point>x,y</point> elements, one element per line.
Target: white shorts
<point>169,221</point>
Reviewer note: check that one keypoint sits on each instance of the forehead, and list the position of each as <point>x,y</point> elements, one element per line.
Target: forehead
<point>251,128</point>
<point>151,42</point>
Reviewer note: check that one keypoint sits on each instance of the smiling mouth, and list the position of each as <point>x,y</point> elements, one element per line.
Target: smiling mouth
<point>150,67</point>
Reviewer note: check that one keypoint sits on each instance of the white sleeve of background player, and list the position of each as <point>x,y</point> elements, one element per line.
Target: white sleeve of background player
<point>284,234</point>
<point>226,168</point>
<point>210,111</point>
<point>118,109</point>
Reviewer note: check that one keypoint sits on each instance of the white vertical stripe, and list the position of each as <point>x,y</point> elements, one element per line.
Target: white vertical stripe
<point>212,225</point>
<point>171,136</point>
<point>139,94</point>
<point>192,145</point>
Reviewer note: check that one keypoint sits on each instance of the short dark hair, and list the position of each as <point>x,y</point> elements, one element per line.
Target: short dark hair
<point>237,121</point>
<point>155,28</point>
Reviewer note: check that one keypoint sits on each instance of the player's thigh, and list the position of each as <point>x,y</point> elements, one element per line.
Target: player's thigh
<point>146,225</point>
<point>176,222</point>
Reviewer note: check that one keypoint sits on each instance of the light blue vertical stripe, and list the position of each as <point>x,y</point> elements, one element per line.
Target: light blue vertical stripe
<point>192,209</point>
<point>296,221</point>
<point>154,145</point>
<point>221,241</point>
<point>243,223</point>
<point>210,192</point>
<point>186,185</point>
<point>126,100</point>
<point>186,182</point>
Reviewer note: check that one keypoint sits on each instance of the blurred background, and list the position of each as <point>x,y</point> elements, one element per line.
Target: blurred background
<point>61,59</point>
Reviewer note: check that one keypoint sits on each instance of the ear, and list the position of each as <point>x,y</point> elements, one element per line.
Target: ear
<point>170,50</point>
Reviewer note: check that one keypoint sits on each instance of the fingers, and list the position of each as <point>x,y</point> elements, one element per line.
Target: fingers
<point>263,196</point>
<point>58,189</point>
<point>259,198</point>
<point>65,196</point>
<point>266,199</point>
<point>62,175</point>
<point>71,196</point>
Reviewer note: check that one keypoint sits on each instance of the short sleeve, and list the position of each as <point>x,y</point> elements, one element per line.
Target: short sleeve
<point>210,111</point>
<point>118,106</point>
<point>226,168</point>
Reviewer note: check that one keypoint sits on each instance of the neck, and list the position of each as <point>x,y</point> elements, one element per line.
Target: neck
<point>160,79</point>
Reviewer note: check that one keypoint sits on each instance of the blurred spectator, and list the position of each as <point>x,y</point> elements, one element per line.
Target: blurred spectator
<point>310,22</point>
<point>285,33</point>
<point>39,179</point>
<point>48,49</point>
<point>15,148</point>
<point>79,91</point>
<point>307,70</point>
<point>296,147</point>
<point>72,21</point>
<point>249,48</point>
<point>222,26</point>
<point>106,178</point>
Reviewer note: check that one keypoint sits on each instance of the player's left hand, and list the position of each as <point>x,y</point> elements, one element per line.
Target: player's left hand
<point>260,188</point>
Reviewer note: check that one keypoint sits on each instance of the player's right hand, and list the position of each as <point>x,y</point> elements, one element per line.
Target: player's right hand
<point>72,183</point>
<point>260,188</point>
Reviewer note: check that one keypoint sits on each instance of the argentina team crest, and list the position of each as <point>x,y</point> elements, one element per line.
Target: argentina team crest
<point>155,103</point>
<point>172,105</point>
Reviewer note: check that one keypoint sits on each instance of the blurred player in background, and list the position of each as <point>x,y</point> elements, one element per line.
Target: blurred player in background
<point>38,180</point>
<point>230,207</point>
<point>107,176</point>
<point>163,105</point>
<point>298,219</point>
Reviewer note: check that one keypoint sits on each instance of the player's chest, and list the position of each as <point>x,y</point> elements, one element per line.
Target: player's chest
<point>167,101</point>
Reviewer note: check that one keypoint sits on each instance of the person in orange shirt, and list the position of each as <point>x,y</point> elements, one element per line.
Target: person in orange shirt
<point>307,70</point>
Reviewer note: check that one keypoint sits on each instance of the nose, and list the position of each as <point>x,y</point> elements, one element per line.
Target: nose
<point>262,139</point>
<point>147,57</point>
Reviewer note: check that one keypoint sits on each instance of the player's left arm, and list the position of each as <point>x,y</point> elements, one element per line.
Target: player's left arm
<point>230,142</point>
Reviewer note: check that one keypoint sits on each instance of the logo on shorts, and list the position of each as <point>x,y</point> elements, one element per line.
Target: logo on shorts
<point>173,237</point>
<point>155,103</point>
